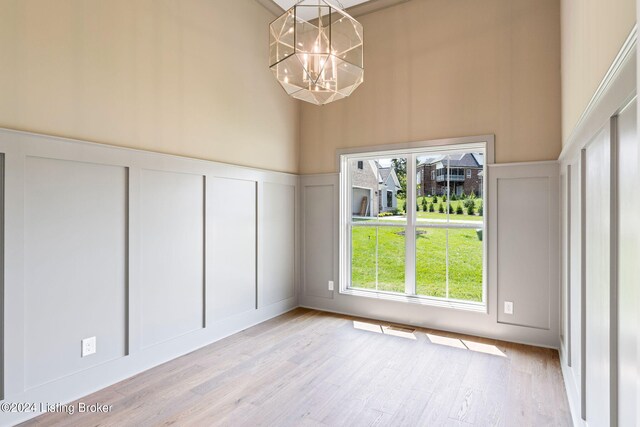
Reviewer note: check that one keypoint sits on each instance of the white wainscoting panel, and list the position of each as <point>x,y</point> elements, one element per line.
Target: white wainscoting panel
<point>320,239</point>
<point>598,283</point>
<point>575,276</point>
<point>172,254</point>
<point>279,237</point>
<point>75,266</point>
<point>154,255</point>
<point>232,260</point>
<point>628,176</point>
<point>526,244</point>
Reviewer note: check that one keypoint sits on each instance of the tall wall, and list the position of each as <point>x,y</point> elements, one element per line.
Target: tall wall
<point>186,77</point>
<point>592,34</point>
<point>442,68</point>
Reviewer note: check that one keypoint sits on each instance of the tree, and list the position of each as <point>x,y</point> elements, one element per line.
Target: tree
<point>459,210</point>
<point>440,208</point>
<point>424,204</point>
<point>471,209</point>
<point>480,209</point>
<point>400,166</point>
<point>431,208</point>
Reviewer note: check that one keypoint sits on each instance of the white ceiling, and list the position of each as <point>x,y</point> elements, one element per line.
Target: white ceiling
<point>286,4</point>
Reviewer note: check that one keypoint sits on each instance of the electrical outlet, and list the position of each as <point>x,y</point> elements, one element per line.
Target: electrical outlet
<point>88,346</point>
<point>508,307</point>
<point>330,285</point>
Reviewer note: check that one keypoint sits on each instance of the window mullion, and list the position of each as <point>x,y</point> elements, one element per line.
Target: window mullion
<point>410,232</point>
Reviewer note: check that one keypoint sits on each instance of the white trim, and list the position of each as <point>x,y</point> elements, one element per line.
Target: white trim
<point>410,151</point>
<point>156,154</point>
<point>418,299</point>
<point>598,110</point>
<point>573,395</point>
<point>409,147</point>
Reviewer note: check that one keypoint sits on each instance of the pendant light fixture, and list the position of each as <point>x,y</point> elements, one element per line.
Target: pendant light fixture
<point>316,51</point>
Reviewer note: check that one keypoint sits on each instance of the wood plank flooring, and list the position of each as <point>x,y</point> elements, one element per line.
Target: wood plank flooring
<point>308,368</point>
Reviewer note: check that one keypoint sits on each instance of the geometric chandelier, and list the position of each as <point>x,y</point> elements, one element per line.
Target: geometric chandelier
<point>316,51</point>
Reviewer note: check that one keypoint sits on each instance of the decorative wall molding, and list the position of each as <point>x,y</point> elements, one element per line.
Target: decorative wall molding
<point>314,294</point>
<point>608,97</point>
<point>158,318</point>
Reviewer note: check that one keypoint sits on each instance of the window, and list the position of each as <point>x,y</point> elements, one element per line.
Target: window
<point>429,249</point>
<point>360,165</point>
<point>468,173</point>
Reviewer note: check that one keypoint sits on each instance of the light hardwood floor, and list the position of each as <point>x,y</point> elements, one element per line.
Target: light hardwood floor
<point>312,368</point>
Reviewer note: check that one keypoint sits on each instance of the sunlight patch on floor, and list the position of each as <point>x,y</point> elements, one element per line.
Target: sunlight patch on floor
<point>466,344</point>
<point>384,329</point>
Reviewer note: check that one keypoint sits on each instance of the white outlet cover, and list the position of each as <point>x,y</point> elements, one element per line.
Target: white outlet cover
<point>508,307</point>
<point>88,346</point>
<point>330,285</point>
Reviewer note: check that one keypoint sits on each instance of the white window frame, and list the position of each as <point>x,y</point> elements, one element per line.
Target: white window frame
<point>411,151</point>
<point>468,173</point>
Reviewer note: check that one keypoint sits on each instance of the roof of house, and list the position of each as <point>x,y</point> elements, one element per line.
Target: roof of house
<point>468,160</point>
<point>384,173</point>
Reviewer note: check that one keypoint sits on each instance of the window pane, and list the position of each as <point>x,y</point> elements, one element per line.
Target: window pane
<point>431,190</point>
<point>378,258</point>
<point>378,189</point>
<point>431,262</point>
<point>391,259</point>
<point>465,264</point>
<point>363,257</point>
<point>449,188</point>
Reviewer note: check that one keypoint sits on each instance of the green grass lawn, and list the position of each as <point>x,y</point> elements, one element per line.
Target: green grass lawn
<point>465,261</point>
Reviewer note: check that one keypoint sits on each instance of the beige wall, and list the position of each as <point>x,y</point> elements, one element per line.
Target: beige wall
<point>447,68</point>
<point>592,34</point>
<point>187,77</point>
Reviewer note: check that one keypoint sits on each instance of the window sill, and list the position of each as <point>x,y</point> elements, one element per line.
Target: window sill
<point>477,307</point>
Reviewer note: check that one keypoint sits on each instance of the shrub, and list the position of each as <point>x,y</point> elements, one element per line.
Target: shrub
<point>383,214</point>
<point>454,197</point>
<point>435,200</point>
<point>444,198</point>
<point>440,208</point>
<point>480,209</point>
<point>463,196</point>
<point>469,203</point>
<point>424,204</point>
<point>471,210</point>
<point>431,208</point>
<point>404,206</point>
<point>451,210</point>
<point>459,210</point>
<point>394,211</point>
